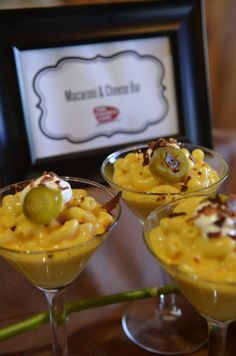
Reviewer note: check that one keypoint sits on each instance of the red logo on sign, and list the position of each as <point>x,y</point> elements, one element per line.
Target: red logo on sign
<point>105,113</point>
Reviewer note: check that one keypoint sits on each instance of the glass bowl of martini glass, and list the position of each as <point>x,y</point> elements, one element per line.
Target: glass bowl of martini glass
<point>193,238</point>
<point>49,229</point>
<point>148,176</point>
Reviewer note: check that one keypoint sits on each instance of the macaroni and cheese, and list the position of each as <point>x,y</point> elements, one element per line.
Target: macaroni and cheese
<point>196,244</point>
<point>52,254</point>
<point>144,191</point>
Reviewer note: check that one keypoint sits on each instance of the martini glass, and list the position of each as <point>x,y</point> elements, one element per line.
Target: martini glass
<point>51,271</point>
<point>213,299</point>
<point>162,326</point>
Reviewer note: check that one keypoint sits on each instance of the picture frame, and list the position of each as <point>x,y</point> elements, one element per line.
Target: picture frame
<point>28,34</point>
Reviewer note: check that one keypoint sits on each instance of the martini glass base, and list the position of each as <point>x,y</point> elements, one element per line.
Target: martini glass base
<point>164,332</point>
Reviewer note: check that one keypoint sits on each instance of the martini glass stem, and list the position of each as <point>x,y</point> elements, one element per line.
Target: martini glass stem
<point>56,299</point>
<point>168,304</point>
<point>217,338</point>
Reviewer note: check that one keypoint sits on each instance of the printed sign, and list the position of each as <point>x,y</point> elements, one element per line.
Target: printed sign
<point>85,97</point>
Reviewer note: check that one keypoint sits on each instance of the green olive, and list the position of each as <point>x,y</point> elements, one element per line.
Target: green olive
<point>169,164</point>
<point>42,204</point>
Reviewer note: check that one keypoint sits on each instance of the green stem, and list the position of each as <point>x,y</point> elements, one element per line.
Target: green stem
<point>72,307</point>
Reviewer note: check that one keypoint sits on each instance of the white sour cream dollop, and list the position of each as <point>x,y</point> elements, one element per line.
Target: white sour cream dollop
<point>52,181</point>
<point>218,222</point>
<point>208,224</point>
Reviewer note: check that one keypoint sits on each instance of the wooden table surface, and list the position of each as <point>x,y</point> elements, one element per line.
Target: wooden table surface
<point>122,263</point>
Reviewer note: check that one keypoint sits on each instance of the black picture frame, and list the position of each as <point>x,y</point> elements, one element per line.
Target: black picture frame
<point>183,21</point>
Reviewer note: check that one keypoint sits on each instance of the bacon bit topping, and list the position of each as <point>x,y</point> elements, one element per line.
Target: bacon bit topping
<point>173,215</point>
<point>47,177</point>
<point>192,158</point>
<point>184,187</point>
<point>146,158</point>
<point>217,216</point>
<point>61,219</point>
<point>187,179</point>
<point>163,142</point>
<point>214,234</point>
<point>161,198</point>
<point>111,204</point>
<point>153,145</point>
<point>220,221</point>
<point>58,183</point>
<point>207,210</point>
